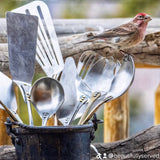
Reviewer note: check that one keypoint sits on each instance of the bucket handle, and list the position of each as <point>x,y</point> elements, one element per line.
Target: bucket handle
<point>95,123</point>
<point>14,138</point>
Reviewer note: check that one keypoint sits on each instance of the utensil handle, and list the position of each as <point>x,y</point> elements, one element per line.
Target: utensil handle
<point>93,98</point>
<point>55,120</point>
<point>45,117</point>
<point>82,101</point>
<point>25,88</point>
<point>29,112</point>
<point>88,117</point>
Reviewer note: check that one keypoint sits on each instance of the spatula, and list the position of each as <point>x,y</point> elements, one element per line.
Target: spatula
<point>7,97</point>
<point>22,37</point>
<point>67,80</point>
<point>49,55</point>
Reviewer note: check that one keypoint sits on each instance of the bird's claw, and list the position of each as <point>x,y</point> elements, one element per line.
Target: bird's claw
<point>126,55</point>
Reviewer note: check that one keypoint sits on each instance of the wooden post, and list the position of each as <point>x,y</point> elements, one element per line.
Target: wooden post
<point>116,119</point>
<point>50,121</point>
<point>4,138</point>
<point>157,106</point>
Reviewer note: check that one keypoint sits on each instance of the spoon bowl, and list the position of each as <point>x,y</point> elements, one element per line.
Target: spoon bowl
<point>47,95</point>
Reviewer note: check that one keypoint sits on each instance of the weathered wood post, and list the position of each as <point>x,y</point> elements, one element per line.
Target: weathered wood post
<point>4,138</point>
<point>50,122</point>
<point>157,106</point>
<point>116,119</point>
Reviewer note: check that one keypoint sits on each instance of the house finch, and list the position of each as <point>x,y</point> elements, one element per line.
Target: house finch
<point>125,35</point>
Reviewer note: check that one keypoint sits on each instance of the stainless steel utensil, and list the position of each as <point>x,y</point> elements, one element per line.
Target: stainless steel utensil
<point>83,100</point>
<point>48,51</point>
<point>66,112</point>
<point>86,62</point>
<point>47,95</point>
<point>100,76</point>
<point>120,84</point>
<point>67,80</point>
<point>22,37</point>
<point>98,80</point>
<point>7,97</point>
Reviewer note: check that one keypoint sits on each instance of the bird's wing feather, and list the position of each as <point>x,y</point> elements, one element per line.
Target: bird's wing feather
<point>123,30</point>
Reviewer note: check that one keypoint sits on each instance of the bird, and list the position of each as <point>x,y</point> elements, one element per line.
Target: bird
<point>126,35</point>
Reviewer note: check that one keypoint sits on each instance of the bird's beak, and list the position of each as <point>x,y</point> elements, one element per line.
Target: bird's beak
<point>147,18</point>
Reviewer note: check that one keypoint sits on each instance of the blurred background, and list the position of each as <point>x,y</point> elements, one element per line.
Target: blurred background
<point>146,81</point>
<point>90,8</point>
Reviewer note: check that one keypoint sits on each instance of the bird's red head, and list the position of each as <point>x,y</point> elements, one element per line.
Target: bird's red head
<point>141,14</point>
<point>142,17</point>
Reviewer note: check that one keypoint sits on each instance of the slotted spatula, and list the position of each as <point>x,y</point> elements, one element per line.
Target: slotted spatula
<point>22,37</point>
<point>48,51</point>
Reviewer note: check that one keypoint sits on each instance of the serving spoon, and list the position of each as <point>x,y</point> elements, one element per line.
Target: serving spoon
<point>47,95</point>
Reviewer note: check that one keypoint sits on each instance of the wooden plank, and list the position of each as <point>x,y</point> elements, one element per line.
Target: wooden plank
<point>75,26</point>
<point>157,106</point>
<point>116,119</point>
<point>147,52</point>
<point>137,65</point>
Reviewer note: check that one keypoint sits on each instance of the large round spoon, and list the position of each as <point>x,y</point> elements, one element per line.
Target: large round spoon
<point>120,84</point>
<point>100,76</point>
<point>47,95</point>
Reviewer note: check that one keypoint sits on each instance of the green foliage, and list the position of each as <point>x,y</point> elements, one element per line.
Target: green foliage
<point>8,5</point>
<point>135,106</point>
<point>79,8</point>
<point>99,134</point>
<point>75,9</point>
<point>131,7</point>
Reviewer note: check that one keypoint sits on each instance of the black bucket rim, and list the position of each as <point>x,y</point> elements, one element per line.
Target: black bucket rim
<point>26,129</point>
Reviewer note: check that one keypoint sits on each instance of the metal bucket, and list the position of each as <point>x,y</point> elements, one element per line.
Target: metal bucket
<point>51,143</point>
